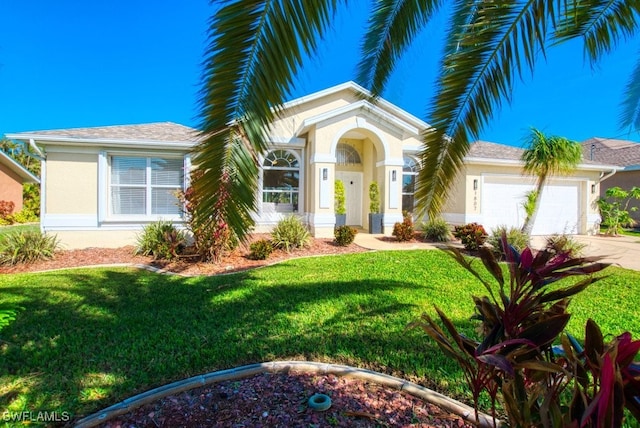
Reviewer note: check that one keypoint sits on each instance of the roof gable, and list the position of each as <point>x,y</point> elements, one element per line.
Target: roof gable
<point>25,175</point>
<point>363,95</point>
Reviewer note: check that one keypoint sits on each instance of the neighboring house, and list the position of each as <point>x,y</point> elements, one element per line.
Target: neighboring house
<point>101,185</point>
<point>617,152</point>
<point>12,177</point>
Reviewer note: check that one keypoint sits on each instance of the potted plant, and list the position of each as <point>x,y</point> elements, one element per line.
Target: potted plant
<point>375,216</point>
<point>339,203</point>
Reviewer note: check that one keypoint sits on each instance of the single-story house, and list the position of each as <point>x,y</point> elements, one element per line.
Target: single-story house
<point>101,185</point>
<point>12,177</point>
<point>622,153</point>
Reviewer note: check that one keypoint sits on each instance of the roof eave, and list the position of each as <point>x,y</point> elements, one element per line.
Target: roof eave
<point>76,141</point>
<point>23,173</point>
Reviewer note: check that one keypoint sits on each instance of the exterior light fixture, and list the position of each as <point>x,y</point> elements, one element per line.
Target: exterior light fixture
<point>593,189</point>
<point>393,175</point>
<point>325,174</point>
<point>475,184</point>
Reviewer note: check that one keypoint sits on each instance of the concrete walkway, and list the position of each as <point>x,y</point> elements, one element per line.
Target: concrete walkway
<point>623,251</point>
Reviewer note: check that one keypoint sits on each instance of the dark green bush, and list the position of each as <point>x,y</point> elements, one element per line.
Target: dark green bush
<point>27,247</point>
<point>290,233</point>
<point>472,235</point>
<point>437,230</point>
<point>162,240</point>
<point>404,231</point>
<point>261,249</point>
<point>344,235</point>
<point>515,237</point>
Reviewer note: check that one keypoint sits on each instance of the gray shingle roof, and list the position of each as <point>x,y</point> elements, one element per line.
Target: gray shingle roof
<point>612,151</point>
<point>485,149</point>
<point>159,131</point>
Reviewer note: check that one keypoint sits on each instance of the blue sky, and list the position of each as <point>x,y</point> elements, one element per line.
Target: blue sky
<point>71,64</point>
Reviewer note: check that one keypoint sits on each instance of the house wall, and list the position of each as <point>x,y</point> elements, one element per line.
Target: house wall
<point>72,183</point>
<point>10,187</point>
<point>625,180</point>
<point>71,198</point>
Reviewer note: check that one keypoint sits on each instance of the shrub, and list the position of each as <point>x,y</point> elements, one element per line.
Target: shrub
<point>565,244</point>
<point>6,208</point>
<point>472,235</point>
<point>344,235</point>
<point>615,213</point>
<point>404,231</point>
<point>515,237</point>
<point>520,320</point>
<point>339,196</point>
<point>437,230</point>
<point>374,198</point>
<point>161,240</point>
<point>290,233</point>
<point>213,238</point>
<point>261,249</point>
<point>27,247</point>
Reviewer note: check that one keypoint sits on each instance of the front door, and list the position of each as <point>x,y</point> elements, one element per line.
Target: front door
<point>352,195</point>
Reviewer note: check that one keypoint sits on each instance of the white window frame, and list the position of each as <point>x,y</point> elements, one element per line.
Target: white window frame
<point>104,192</point>
<point>413,173</point>
<point>270,215</point>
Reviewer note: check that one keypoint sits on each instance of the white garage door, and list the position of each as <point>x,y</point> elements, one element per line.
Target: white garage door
<point>502,200</point>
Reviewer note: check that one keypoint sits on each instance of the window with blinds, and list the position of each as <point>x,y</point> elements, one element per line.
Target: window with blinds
<point>145,186</point>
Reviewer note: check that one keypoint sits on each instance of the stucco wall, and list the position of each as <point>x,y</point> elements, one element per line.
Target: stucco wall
<point>10,187</point>
<point>72,183</point>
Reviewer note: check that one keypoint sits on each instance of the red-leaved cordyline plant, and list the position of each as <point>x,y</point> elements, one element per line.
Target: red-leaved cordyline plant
<point>515,361</point>
<point>213,238</point>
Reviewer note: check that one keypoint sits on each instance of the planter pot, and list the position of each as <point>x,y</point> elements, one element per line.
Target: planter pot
<point>375,223</point>
<point>341,220</point>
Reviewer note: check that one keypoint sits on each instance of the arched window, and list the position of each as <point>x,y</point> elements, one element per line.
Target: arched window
<point>280,181</point>
<point>409,173</point>
<point>347,155</point>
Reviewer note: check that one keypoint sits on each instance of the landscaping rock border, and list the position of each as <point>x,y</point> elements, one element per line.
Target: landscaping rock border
<point>464,411</point>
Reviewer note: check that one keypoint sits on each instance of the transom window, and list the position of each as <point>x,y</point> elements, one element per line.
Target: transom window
<point>409,174</point>
<point>145,185</point>
<point>280,181</point>
<point>347,155</point>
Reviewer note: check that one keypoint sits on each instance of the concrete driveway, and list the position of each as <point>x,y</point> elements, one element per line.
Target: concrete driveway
<point>623,251</point>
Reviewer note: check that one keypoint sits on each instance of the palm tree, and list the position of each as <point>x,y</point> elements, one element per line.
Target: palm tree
<point>257,47</point>
<point>547,156</point>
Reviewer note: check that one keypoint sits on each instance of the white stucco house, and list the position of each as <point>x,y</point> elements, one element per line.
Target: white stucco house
<point>101,185</point>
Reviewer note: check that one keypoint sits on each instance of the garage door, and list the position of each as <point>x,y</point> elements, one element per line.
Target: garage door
<point>503,197</point>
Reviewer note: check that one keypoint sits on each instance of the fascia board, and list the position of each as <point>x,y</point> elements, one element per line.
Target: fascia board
<point>75,141</point>
<point>513,162</point>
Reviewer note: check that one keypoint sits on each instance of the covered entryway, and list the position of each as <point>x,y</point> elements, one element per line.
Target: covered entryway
<point>503,198</point>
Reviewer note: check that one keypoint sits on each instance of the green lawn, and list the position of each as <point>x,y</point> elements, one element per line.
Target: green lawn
<point>88,338</point>
<point>4,230</point>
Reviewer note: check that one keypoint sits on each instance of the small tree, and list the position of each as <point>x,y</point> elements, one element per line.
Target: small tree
<point>547,156</point>
<point>615,214</point>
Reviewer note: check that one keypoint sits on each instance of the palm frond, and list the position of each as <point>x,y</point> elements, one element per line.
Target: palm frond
<point>256,48</point>
<point>601,23</point>
<point>483,55</point>
<point>392,27</point>
<point>630,115</point>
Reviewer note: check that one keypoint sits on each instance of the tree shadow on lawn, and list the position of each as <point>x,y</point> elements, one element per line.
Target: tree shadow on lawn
<point>88,339</point>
